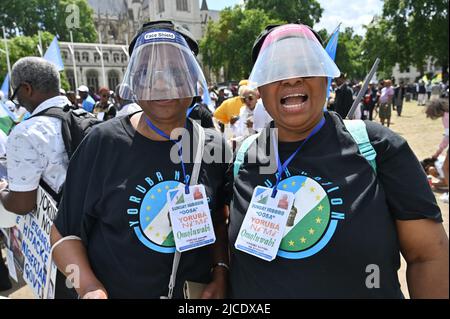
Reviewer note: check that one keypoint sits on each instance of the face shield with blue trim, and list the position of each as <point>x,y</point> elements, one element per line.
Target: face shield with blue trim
<point>162,67</point>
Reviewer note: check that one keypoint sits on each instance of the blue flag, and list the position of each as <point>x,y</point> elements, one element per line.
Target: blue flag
<point>331,50</point>
<point>5,86</point>
<point>53,55</point>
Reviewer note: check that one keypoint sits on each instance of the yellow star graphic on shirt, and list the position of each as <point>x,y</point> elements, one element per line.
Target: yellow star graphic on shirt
<point>148,208</point>
<point>312,189</point>
<point>164,237</point>
<point>291,243</point>
<point>320,208</point>
<point>147,219</point>
<point>303,184</point>
<point>303,240</point>
<point>152,196</point>
<point>159,190</point>
<point>318,197</point>
<point>150,228</point>
<point>318,220</point>
<point>284,186</point>
<point>157,234</point>
<point>311,231</point>
<point>293,183</point>
<point>167,187</point>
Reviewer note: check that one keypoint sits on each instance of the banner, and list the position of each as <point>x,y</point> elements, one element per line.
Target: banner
<point>30,244</point>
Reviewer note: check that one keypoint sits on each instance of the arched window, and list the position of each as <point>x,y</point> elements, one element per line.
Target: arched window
<point>77,56</point>
<point>96,57</point>
<point>116,57</point>
<point>124,58</point>
<point>105,57</point>
<point>92,79</point>
<point>182,5</point>
<point>71,79</point>
<point>113,79</point>
<point>85,56</point>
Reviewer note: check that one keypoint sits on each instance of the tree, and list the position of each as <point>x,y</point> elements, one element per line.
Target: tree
<point>228,43</point>
<point>308,12</point>
<point>349,54</point>
<point>420,31</point>
<point>27,17</point>
<point>23,46</point>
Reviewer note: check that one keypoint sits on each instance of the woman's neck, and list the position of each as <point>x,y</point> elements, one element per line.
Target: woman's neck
<point>292,135</point>
<point>166,126</point>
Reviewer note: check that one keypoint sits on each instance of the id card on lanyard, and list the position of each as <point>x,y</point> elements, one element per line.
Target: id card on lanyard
<point>265,221</point>
<point>190,218</point>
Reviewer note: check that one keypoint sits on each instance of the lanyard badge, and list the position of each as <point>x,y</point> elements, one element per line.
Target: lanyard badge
<point>265,221</point>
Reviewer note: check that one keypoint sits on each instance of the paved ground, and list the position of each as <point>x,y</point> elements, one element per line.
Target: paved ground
<point>423,135</point>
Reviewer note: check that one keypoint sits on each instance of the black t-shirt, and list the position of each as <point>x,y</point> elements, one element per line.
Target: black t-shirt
<point>345,217</point>
<point>115,200</point>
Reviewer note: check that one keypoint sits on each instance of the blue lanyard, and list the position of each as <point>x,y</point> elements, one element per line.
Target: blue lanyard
<point>189,111</point>
<point>180,150</point>
<point>282,167</point>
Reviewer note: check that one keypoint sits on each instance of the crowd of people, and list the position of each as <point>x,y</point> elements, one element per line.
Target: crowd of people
<point>300,201</point>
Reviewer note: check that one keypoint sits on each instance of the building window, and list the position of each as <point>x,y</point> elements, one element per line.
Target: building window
<point>77,56</point>
<point>96,57</point>
<point>85,56</point>
<point>161,6</point>
<point>113,79</point>
<point>64,55</point>
<point>124,58</point>
<point>92,79</point>
<point>71,79</point>
<point>116,57</point>
<point>105,57</point>
<point>182,5</point>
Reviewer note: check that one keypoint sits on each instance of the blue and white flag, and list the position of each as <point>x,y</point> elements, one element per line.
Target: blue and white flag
<point>53,55</point>
<point>331,50</point>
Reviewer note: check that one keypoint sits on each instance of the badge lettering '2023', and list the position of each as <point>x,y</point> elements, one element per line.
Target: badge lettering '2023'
<point>313,218</point>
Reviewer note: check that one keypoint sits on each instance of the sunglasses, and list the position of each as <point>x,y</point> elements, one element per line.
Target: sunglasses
<point>13,97</point>
<point>250,98</point>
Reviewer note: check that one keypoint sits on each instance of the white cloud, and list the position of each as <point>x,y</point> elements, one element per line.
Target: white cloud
<point>351,13</point>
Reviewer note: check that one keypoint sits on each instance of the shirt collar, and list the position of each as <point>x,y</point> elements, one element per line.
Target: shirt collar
<point>57,101</point>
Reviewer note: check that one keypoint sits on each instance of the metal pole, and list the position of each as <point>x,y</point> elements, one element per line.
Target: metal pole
<point>363,89</point>
<point>72,50</point>
<point>40,47</point>
<point>101,58</point>
<point>8,63</point>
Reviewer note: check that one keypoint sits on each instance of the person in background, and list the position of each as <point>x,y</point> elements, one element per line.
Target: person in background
<point>438,108</point>
<point>399,96</point>
<point>87,101</point>
<point>125,106</point>
<point>386,98</point>
<point>104,110</point>
<point>72,97</point>
<point>344,96</point>
<point>228,111</point>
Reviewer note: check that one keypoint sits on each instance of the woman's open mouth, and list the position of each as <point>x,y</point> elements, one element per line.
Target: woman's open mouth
<point>294,102</point>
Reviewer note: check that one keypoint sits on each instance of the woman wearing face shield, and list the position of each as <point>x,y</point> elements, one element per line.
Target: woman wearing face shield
<point>120,183</point>
<point>351,214</point>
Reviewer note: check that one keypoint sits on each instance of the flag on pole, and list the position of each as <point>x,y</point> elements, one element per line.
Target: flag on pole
<point>53,54</point>
<point>331,50</point>
<point>5,86</point>
<point>6,122</point>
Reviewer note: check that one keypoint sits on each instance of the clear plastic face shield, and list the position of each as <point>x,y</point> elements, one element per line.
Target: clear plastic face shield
<point>291,51</point>
<point>162,67</point>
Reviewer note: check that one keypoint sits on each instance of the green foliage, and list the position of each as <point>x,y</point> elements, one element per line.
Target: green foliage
<point>27,17</point>
<point>23,46</point>
<point>307,11</point>
<point>349,54</point>
<point>228,42</point>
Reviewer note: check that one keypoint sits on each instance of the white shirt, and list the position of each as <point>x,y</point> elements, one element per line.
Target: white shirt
<point>35,150</point>
<point>3,141</point>
<point>260,117</point>
<point>129,109</point>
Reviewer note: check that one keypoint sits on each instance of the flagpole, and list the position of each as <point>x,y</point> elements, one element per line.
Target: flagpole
<point>101,57</point>
<point>8,63</point>
<point>72,49</point>
<point>331,34</point>
<point>363,89</point>
<point>40,48</point>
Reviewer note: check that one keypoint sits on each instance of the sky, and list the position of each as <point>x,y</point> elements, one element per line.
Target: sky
<point>352,13</point>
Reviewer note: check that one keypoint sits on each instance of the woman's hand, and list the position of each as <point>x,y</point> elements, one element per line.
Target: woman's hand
<point>95,294</point>
<point>217,289</point>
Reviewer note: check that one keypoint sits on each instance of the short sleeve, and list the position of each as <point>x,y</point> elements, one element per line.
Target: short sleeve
<point>405,183</point>
<point>76,213</point>
<point>25,165</point>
